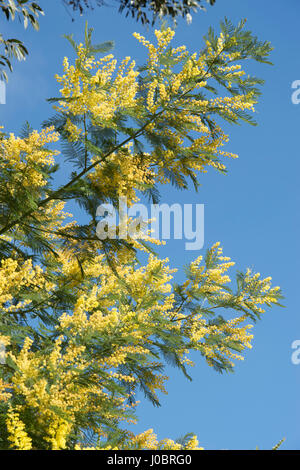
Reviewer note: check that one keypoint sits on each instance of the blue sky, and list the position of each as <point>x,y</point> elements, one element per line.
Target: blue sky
<point>253,211</point>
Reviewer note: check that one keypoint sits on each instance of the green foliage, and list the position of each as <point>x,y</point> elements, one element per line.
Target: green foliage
<point>140,9</point>
<point>25,11</point>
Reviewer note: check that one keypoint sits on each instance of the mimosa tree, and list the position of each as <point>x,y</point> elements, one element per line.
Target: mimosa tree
<point>84,323</point>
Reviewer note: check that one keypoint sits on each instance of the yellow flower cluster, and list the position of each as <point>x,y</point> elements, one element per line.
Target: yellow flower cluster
<point>48,383</point>
<point>16,430</point>
<point>96,86</point>
<point>15,276</point>
<point>5,394</point>
<point>168,89</point>
<point>124,173</point>
<point>147,440</point>
<point>59,431</point>
<point>208,282</point>
<point>98,89</point>
<point>164,37</point>
<point>26,157</point>
<point>51,382</point>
